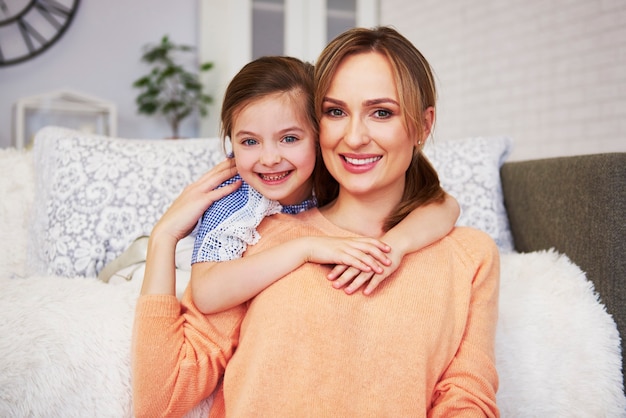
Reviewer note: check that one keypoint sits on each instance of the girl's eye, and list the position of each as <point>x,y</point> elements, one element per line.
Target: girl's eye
<point>249,142</point>
<point>290,139</point>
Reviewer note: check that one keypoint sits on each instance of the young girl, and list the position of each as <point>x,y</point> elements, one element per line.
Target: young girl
<point>268,116</point>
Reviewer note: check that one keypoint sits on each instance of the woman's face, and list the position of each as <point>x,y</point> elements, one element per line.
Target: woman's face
<point>274,147</point>
<point>363,137</point>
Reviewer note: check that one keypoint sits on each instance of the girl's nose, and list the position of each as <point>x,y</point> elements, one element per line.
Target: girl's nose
<point>270,156</point>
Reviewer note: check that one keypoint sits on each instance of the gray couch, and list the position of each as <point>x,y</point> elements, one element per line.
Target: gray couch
<point>576,205</point>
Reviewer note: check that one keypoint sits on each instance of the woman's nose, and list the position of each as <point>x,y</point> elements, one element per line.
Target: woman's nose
<point>356,133</point>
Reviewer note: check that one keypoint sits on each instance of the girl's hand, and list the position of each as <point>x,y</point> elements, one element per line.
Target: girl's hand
<point>352,279</point>
<point>182,216</point>
<point>363,254</point>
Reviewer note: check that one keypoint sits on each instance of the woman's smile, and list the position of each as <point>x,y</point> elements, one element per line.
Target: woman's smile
<point>359,163</point>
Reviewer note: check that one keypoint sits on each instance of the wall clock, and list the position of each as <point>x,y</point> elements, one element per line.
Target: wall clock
<point>29,27</point>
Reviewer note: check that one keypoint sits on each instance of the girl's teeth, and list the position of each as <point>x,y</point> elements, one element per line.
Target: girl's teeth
<point>274,177</point>
<point>362,161</point>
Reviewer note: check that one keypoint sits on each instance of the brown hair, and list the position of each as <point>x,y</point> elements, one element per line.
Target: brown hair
<point>416,91</point>
<point>264,76</point>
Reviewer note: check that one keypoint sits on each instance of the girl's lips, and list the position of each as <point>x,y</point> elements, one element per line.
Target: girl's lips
<point>361,163</point>
<point>273,177</point>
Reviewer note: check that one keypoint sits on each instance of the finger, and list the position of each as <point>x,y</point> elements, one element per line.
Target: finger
<point>361,257</point>
<point>372,249</point>
<point>358,282</point>
<point>376,243</point>
<point>346,277</point>
<point>373,283</point>
<point>217,175</point>
<point>220,192</point>
<point>337,271</point>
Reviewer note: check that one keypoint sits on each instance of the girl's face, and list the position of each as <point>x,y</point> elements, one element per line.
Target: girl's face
<point>274,147</point>
<point>363,138</point>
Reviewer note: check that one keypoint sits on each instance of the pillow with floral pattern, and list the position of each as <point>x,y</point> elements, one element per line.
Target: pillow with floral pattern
<point>96,194</point>
<point>469,170</point>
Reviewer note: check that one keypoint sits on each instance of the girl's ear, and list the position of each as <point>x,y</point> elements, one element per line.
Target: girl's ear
<point>228,147</point>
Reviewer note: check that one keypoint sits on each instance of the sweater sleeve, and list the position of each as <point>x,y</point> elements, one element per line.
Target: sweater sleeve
<point>469,384</point>
<point>178,354</point>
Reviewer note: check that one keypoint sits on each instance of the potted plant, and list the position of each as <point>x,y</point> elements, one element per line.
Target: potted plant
<point>170,89</point>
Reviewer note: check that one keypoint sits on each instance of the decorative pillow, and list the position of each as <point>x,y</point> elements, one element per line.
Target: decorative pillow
<point>96,194</point>
<point>469,170</point>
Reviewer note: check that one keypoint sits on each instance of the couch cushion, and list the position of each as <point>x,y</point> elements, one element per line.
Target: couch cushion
<point>469,170</point>
<point>96,194</point>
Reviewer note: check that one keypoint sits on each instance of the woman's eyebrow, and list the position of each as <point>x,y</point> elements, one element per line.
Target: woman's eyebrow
<point>383,100</point>
<point>333,101</point>
<point>369,102</point>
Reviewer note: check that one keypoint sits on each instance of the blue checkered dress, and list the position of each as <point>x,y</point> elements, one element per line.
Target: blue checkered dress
<point>229,225</point>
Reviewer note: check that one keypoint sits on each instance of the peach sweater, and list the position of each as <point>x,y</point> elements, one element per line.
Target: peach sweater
<point>421,345</point>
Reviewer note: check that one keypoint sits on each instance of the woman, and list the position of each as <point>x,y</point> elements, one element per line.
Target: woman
<point>422,344</point>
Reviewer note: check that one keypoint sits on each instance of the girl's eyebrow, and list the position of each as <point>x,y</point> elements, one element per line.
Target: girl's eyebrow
<point>294,128</point>
<point>244,133</point>
<point>283,131</point>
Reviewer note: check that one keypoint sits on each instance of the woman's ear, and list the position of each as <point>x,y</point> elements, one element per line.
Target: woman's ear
<point>429,122</point>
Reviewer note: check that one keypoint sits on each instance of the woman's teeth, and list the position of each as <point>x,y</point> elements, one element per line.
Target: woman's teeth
<point>362,161</point>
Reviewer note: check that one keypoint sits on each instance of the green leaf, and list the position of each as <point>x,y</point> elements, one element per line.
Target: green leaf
<point>170,89</point>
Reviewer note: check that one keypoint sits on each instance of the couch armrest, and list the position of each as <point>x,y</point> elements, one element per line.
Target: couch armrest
<point>576,205</point>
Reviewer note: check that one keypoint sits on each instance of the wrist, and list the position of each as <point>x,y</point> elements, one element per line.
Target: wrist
<point>399,243</point>
<point>160,241</point>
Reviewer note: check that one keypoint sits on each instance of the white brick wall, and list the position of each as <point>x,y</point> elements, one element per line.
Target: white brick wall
<point>551,74</point>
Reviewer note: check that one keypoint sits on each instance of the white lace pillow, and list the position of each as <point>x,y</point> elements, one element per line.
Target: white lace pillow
<point>469,170</point>
<point>96,194</point>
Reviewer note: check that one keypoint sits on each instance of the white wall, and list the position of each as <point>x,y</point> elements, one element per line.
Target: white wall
<point>548,73</point>
<point>551,74</point>
<point>99,55</point>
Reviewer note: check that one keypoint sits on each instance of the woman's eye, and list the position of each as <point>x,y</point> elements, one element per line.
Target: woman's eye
<point>290,138</point>
<point>382,113</point>
<point>334,112</point>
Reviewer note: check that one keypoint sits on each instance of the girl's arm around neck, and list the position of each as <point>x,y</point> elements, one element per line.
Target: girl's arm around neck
<point>425,225</point>
<point>422,227</point>
<point>219,286</point>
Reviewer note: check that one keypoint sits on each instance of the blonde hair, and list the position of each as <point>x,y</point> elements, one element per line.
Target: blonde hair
<point>416,90</point>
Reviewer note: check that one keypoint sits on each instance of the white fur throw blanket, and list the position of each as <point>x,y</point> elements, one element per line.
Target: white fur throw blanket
<point>64,345</point>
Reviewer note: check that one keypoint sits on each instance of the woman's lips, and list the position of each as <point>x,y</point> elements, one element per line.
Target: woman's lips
<point>360,164</point>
